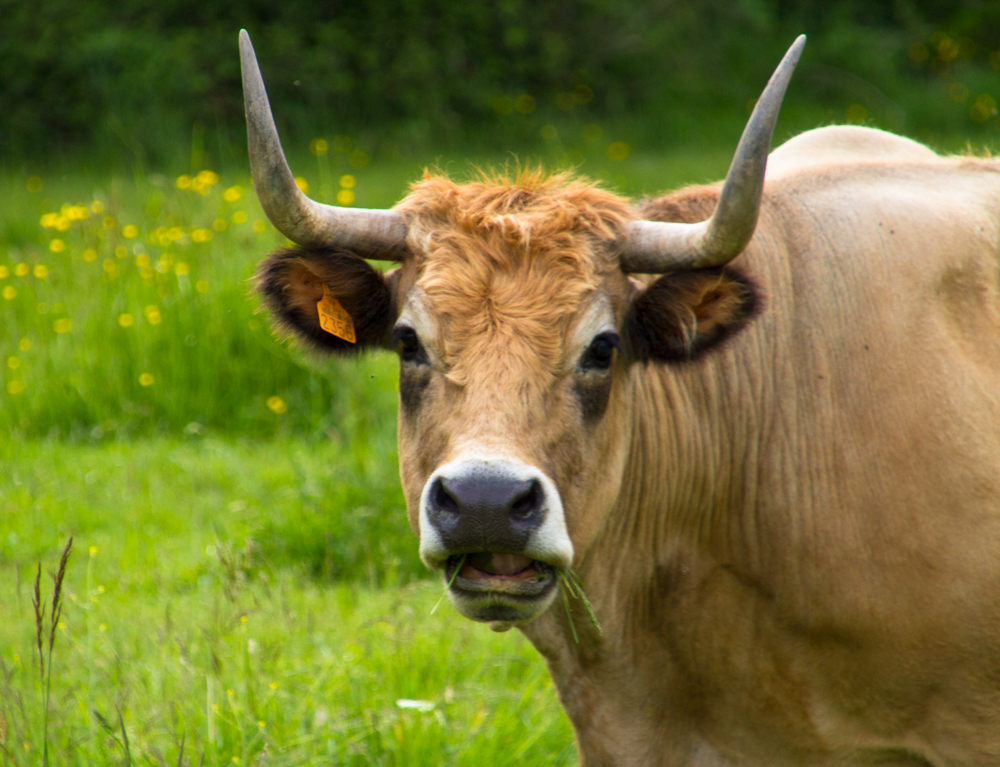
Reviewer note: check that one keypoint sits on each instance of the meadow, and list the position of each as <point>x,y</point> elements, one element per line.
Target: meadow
<point>243,586</point>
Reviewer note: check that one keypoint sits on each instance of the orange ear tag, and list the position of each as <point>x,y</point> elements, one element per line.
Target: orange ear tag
<point>334,319</point>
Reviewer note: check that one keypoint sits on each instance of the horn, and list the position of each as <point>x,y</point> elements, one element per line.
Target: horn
<point>655,247</point>
<point>304,221</point>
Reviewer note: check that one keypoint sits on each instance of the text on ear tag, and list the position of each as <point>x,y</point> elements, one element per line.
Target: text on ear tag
<point>334,319</point>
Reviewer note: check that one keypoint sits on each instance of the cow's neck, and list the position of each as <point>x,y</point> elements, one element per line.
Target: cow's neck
<point>679,512</point>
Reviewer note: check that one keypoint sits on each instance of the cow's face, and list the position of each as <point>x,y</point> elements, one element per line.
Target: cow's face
<point>516,330</point>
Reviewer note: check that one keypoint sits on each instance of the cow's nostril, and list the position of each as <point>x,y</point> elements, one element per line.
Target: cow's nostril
<point>527,503</point>
<point>443,500</point>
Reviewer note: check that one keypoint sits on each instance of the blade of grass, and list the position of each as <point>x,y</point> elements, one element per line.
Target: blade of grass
<point>562,590</point>
<point>582,596</point>
<point>128,751</point>
<point>454,575</point>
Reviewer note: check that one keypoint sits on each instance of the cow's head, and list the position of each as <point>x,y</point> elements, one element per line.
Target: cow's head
<point>516,319</point>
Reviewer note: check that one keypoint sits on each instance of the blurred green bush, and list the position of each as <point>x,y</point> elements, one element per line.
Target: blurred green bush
<point>136,76</point>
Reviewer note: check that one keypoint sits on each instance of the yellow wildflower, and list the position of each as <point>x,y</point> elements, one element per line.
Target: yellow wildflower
<point>24,345</point>
<point>345,197</point>
<point>121,252</point>
<point>108,222</point>
<point>110,267</point>
<point>41,271</point>
<point>4,272</point>
<point>97,206</point>
<point>153,316</point>
<point>57,246</point>
<point>219,225</point>
<point>21,270</point>
<point>10,292</point>
<point>15,387</point>
<point>617,151</point>
<point>142,260</point>
<point>239,217</point>
<point>277,405</point>
<point>93,551</point>
<point>183,182</point>
<point>126,320</point>
<point>358,158</point>
<point>201,235</point>
<point>62,325</point>
<point>146,379</point>
<point>77,212</point>
<point>48,220</point>
<point>13,363</point>
<point>129,231</point>
<point>182,269</point>
<point>232,194</point>
<point>90,255</point>
<point>201,286</point>
<point>259,226</point>
<point>347,181</point>
<point>302,184</point>
<point>319,146</point>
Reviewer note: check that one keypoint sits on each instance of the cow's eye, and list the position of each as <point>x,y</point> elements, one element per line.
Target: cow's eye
<point>600,352</point>
<point>406,343</point>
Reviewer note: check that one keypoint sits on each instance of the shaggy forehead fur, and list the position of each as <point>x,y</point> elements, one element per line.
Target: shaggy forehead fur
<point>506,262</point>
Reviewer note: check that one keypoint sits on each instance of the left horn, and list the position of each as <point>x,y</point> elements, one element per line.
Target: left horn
<point>375,233</point>
<point>655,247</point>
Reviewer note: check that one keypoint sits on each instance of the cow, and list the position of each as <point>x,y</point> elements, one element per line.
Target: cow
<point>759,421</point>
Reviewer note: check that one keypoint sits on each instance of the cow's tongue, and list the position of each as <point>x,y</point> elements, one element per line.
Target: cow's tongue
<point>498,564</point>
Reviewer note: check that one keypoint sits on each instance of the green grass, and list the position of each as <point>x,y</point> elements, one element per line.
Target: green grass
<point>177,587</point>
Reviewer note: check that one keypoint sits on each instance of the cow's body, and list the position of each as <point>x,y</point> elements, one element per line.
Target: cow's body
<point>761,420</point>
<point>803,565</point>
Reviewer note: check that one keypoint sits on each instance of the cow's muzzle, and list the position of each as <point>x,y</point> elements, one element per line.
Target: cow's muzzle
<point>496,530</point>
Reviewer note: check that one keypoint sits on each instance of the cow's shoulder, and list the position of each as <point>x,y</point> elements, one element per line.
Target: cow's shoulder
<point>844,145</point>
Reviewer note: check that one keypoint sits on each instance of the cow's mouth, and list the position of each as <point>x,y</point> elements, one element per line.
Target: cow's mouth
<point>491,586</point>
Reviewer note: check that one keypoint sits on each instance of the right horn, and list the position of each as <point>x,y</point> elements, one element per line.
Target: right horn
<point>374,233</point>
<point>655,247</point>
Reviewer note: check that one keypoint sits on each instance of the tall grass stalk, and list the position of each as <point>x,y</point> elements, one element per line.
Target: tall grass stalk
<point>45,664</point>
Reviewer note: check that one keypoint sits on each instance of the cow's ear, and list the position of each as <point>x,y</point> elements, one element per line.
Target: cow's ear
<point>291,283</point>
<point>684,314</point>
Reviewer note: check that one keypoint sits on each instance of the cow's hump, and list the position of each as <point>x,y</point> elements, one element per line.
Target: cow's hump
<point>844,145</point>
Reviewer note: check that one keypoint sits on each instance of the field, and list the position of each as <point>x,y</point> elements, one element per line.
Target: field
<point>243,586</point>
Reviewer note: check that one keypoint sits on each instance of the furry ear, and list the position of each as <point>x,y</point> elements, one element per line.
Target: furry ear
<point>291,281</point>
<point>684,314</point>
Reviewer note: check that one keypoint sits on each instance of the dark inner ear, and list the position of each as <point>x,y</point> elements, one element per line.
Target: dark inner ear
<point>684,314</point>
<point>291,284</point>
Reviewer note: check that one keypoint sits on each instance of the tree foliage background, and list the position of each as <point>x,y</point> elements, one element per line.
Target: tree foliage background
<point>427,72</point>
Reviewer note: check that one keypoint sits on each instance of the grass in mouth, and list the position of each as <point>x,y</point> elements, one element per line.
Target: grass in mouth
<point>570,582</point>
<point>447,587</point>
